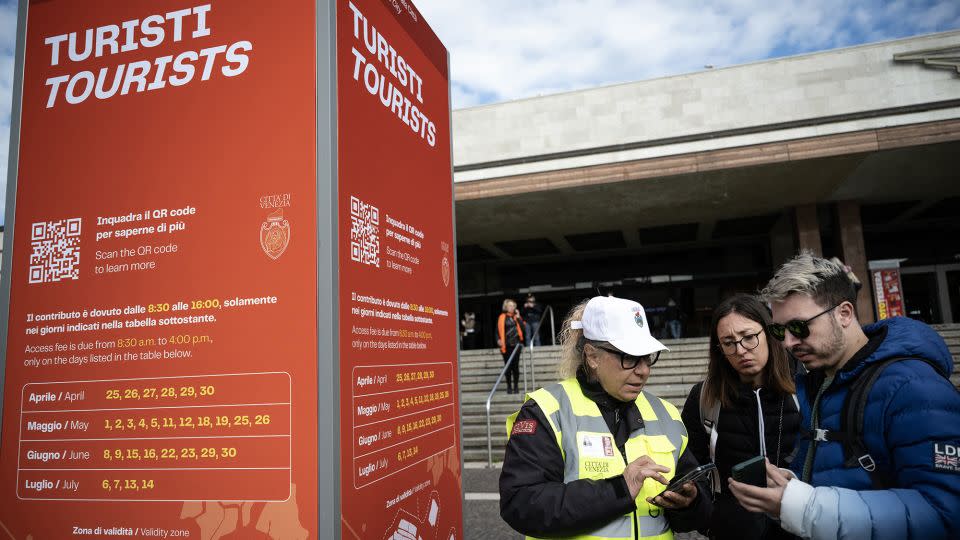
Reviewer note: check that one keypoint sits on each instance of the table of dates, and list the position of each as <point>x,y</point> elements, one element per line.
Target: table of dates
<point>403,414</point>
<point>208,437</point>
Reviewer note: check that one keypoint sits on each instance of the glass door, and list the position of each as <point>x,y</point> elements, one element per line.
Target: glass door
<point>953,293</point>
<point>920,295</point>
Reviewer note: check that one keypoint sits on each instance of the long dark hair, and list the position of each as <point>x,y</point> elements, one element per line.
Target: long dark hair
<point>722,379</point>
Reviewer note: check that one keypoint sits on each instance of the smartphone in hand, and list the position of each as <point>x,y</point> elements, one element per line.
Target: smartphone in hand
<point>692,476</point>
<point>752,471</point>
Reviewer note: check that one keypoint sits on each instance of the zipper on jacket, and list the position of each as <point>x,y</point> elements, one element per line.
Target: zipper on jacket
<point>636,522</point>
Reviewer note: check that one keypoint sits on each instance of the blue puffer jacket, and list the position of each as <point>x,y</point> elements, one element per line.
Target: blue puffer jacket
<point>910,409</point>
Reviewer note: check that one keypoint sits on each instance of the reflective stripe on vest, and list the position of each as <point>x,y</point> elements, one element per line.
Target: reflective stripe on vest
<point>589,450</point>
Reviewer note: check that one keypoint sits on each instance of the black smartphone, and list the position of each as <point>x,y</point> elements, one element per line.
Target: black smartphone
<point>692,476</point>
<point>752,471</point>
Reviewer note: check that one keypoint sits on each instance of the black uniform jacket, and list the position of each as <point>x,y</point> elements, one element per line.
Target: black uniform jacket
<point>535,501</point>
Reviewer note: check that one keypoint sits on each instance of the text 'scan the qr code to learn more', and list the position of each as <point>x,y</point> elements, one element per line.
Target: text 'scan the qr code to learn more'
<point>55,252</point>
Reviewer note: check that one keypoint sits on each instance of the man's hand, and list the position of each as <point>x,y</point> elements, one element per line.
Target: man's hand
<point>639,470</point>
<point>758,499</point>
<point>675,500</point>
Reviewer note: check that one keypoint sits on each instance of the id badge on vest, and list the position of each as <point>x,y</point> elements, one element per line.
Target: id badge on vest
<point>597,453</point>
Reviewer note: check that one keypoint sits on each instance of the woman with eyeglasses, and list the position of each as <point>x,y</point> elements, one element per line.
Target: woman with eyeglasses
<point>590,456</point>
<point>746,407</point>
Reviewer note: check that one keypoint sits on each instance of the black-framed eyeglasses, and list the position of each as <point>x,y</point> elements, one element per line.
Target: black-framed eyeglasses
<point>748,342</point>
<point>799,329</point>
<point>628,361</point>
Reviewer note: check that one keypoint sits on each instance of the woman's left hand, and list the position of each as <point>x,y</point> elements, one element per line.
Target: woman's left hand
<point>675,500</point>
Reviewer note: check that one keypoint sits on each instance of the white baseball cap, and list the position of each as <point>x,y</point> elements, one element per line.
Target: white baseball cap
<point>621,323</point>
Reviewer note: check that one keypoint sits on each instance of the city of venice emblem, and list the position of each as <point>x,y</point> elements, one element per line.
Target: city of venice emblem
<point>275,235</point>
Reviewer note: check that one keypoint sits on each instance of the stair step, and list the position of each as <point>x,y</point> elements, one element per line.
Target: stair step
<point>551,367</point>
<point>702,344</point>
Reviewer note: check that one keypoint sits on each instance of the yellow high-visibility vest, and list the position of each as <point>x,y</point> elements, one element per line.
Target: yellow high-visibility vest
<point>589,451</point>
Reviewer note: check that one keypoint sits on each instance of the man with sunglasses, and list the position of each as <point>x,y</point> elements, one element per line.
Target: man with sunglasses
<point>590,456</point>
<point>904,483</point>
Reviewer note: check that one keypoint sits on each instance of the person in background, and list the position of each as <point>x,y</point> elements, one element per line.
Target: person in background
<point>468,330</point>
<point>589,456</point>
<point>672,315</point>
<point>531,312</point>
<point>509,335</point>
<point>746,407</point>
<point>892,472</point>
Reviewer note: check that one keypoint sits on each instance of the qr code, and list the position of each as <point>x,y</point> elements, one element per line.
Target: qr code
<point>364,230</point>
<point>56,250</point>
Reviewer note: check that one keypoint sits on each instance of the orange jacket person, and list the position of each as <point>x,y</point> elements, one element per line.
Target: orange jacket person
<point>509,334</point>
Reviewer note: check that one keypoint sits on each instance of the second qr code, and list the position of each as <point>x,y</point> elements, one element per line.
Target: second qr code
<point>364,232</point>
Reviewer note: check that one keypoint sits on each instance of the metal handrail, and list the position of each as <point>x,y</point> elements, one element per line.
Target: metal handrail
<point>506,365</point>
<point>553,341</point>
<point>519,346</point>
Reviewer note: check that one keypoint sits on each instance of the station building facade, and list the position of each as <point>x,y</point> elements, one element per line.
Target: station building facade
<point>696,186</point>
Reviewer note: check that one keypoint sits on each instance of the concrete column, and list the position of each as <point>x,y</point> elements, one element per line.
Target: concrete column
<point>808,229</point>
<point>854,254</point>
<point>943,287</point>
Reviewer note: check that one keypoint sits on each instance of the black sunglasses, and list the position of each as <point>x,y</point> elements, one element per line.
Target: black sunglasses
<point>630,362</point>
<point>799,329</point>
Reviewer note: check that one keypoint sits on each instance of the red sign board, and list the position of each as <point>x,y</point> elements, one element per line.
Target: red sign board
<point>399,423</point>
<point>161,359</point>
<point>163,331</point>
<point>889,293</point>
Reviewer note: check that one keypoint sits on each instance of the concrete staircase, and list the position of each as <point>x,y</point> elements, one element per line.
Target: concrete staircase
<point>951,334</point>
<point>671,379</point>
<point>675,372</point>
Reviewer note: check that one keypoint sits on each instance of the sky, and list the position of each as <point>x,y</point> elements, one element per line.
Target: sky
<point>503,50</point>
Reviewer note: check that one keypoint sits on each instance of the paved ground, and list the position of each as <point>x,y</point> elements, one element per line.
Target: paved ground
<point>481,510</point>
<point>481,518</point>
<point>481,521</point>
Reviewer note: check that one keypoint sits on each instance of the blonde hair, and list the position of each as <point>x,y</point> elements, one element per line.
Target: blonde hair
<point>507,302</point>
<point>571,344</point>
<point>828,282</point>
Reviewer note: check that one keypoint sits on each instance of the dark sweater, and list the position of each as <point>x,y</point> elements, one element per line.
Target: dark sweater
<point>738,440</point>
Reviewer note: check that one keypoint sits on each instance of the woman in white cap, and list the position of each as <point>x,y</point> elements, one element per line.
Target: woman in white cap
<point>589,457</point>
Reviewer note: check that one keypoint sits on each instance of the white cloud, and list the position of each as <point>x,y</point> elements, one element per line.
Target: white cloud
<point>8,35</point>
<point>509,49</point>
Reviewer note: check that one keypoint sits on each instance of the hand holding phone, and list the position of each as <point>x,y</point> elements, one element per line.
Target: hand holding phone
<point>752,471</point>
<point>692,476</point>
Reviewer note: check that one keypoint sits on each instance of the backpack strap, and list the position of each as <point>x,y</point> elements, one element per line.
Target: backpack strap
<point>851,424</point>
<point>855,450</point>
<point>709,418</point>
